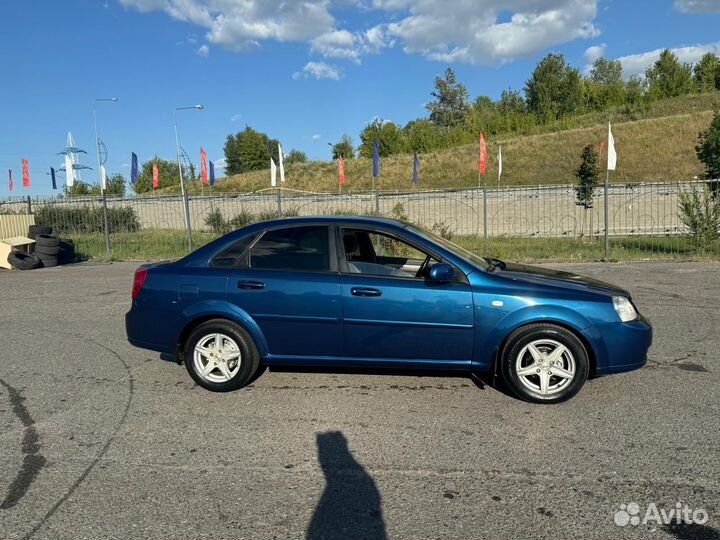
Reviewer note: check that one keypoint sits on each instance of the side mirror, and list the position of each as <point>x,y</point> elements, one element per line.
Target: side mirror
<point>441,272</point>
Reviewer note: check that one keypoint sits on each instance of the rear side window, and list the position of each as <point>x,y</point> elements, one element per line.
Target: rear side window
<point>296,248</point>
<point>230,256</point>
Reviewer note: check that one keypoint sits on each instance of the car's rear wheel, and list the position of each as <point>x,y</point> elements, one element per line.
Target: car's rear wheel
<point>221,356</point>
<point>544,363</point>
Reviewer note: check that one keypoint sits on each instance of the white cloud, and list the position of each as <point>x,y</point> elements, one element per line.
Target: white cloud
<point>203,51</point>
<point>469,31</point>
<point>636,64</point>
<point>316,137</point>
<point>594,52</point>
<point>336,44</point>
<point>318,70</point>
<point>220,163</point>
<point>698,6</point>
<point>235,117</point>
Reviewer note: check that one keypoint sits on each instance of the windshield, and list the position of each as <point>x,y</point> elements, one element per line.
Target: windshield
<point>460,251</point>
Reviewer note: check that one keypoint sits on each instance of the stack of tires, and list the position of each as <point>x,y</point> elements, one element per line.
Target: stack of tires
<point>51,250</point>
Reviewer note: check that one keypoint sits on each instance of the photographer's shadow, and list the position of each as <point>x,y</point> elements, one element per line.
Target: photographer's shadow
<point>350,506</point>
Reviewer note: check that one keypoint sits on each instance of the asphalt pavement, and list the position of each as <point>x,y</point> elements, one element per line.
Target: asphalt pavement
<point>102,440</point>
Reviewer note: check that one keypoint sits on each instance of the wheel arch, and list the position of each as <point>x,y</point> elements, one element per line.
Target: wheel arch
<point>577,332</point>
<point>230,313</point>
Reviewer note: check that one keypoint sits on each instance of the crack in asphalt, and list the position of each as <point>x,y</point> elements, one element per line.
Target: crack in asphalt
<point>131,392</point>
<point>33,460</point>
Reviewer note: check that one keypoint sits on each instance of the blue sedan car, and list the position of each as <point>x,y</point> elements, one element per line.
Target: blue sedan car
<point>353,292</point>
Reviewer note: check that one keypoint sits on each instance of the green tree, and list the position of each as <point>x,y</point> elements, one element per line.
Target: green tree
<point>168,175</point>
<point>706,73</point>
<point>451,101</point>
<point>115,187</point>
<point>668,77</point>
<point>343,148</point>
<point>390,137</point>
<point>605,86</point>
<point>295,156</point>
<point>708,148</point>
<point>636,98</point>
<point>249,150</point>
<point>423,136</point>
<point>554,89</point>
<point>588,177</point>
<point>511,102</point>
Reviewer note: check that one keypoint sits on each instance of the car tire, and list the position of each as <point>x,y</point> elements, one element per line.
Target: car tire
<point>48,261</point>
<point>230,358</point>
<point>544,363</point>
<point>34,230</point>
<point>51,251</point>
<point>23,261</point>
<point>46,240</point>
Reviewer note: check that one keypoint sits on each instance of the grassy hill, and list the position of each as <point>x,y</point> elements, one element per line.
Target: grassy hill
<point>658,146</point>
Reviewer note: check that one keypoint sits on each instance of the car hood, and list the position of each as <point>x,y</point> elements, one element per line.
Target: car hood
<point>557,278</point>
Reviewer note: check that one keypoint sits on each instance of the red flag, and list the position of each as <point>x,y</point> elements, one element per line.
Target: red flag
<point>10,182</point>
<point>156,176</point>
<point>341,170</point>
<point>26,173</point>
<point>203,166</point>
<point>483,154</point>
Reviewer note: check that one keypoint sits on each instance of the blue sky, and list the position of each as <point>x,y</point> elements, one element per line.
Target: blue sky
<point>305,72</point>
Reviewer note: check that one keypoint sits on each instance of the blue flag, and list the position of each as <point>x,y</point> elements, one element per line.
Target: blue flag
<point>52,177</point>
<point>416,167</point>
<point>134,169</point>
<point>212,173</point>
<point>376,158</point>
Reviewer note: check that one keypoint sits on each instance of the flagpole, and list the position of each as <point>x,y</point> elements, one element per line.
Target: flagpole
<point>607,238</point>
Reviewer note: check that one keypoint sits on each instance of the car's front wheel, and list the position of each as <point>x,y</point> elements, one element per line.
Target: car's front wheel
<point>544,363</point>
<point>221,356</point>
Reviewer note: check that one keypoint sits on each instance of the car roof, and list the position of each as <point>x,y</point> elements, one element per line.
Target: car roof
<point>309,220</point>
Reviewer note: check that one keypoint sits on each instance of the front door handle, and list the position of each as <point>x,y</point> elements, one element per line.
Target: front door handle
<point>365,291</point>
<point>250,285</point>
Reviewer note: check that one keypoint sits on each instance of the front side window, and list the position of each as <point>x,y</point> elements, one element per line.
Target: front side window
<point>378,254</point>
<point>304,249</point>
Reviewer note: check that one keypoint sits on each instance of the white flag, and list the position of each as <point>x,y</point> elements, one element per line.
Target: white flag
<point>103,177</point>
<point>499,162</point>
<point>282,167</point>
<point>69,171</point>
<point>273,173</point>
<point>612,155</point>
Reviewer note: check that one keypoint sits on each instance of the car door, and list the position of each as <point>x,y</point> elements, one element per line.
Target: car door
<point>391,312</point>
<point>288,283</point>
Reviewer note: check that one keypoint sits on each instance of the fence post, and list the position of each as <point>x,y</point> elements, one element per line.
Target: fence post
<point>485,220</point>
<point>186,205</point>
<point>279,202</point>
<point>29,205</point>
<point>106,222</point>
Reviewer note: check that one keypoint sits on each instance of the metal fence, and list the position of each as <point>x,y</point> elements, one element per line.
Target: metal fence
<point>644,220</point>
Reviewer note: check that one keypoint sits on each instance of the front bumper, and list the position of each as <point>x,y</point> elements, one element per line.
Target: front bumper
<point>626,345</point>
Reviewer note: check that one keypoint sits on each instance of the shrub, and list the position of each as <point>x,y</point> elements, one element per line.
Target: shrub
<point>700,213</point>
<point>443,230</point>
<point>86,219</point>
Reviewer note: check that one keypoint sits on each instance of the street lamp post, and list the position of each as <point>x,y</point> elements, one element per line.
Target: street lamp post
<point>100,175</point>
<point>186,203</point>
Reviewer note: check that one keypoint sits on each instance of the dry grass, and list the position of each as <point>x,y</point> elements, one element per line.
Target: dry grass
<point>658,147</point>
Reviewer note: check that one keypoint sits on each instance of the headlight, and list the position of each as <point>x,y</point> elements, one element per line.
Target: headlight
<point>624,309</point>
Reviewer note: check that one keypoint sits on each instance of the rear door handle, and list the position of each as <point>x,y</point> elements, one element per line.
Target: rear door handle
<point>250,285</point>
<point>365,291</point>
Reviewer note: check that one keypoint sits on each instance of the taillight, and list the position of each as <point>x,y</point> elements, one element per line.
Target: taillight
<point>139,281</point>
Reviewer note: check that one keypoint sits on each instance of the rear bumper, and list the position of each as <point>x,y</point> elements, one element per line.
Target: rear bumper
<point>147,332</point>
<point>626,345</point>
